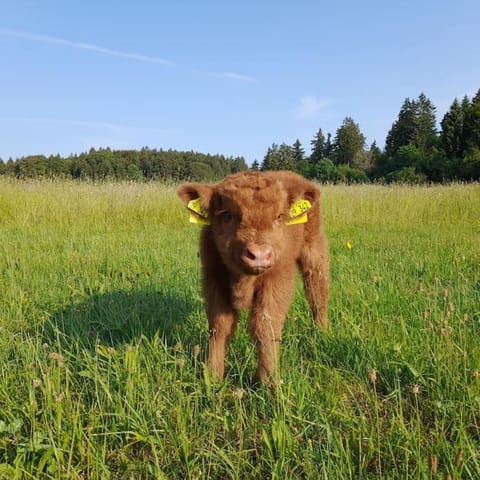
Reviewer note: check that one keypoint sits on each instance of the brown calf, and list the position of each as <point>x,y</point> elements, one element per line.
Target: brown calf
<point>259,227</point>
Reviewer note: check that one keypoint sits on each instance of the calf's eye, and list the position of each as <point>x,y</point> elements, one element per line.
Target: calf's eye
<point>227,217</point>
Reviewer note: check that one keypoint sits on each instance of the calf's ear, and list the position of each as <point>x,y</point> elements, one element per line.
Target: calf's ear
<point>192,191</point>
<point>303,190</point>
<point>196,197</point>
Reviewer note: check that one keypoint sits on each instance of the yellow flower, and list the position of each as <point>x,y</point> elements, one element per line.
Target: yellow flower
<point>349,245</point>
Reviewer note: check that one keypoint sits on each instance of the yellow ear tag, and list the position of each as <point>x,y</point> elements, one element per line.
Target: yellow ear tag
<point>298,213</point>
<point>200,214</point>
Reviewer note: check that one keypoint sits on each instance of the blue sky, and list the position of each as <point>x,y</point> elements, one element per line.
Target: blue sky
<point>222,76</point>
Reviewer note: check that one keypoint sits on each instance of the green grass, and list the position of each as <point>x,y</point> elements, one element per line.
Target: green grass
<point>103,332</point>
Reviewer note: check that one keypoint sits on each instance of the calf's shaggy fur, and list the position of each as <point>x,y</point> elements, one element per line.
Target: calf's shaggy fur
<point>250,253</point>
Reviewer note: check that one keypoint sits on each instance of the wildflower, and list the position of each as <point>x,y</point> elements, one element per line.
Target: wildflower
<point>349,245</point>
<point>37,383</point>
<point>372,376</point>
<point>58,357</point>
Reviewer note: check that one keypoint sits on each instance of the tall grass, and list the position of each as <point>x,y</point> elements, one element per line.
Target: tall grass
<point>103,331</point>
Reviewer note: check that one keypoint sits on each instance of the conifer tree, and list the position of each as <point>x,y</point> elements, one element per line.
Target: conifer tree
<point>451,137</point>
<point>329,147</point>
<point>426,132</point>
<point>349,142</point>
<point>318,147</point>
<point>298,151</point>
<point>471,129</point>
<point>403,129</point>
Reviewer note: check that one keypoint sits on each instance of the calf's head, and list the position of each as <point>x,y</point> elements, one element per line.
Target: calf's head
<point>250,216</point>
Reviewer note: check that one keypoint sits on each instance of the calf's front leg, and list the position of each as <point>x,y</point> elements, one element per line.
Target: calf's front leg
<point>222,320</point>
<point>267,318</point>
<point>315,270</point>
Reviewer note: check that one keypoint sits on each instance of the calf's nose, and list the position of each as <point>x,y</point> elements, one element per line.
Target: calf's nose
<point>258,256</point>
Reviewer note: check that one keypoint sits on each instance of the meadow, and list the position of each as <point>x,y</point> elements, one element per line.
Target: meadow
<point>103,335</point>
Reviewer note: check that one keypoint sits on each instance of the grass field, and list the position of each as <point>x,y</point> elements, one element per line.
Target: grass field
<point>103,331</point>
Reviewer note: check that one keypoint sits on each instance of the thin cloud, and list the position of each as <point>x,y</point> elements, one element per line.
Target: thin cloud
<point>233,76</point>
<point>108,51</point>
<point>80,123</point>
<point>310,106</point>
<point>84,46</point>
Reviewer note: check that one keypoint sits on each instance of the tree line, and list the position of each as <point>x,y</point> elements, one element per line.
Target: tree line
<point>415,151</point>
<point>106,164</point>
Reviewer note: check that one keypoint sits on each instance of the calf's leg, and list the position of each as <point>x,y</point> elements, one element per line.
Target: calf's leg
<point>315,270</point>
<point>222,321</point>
<point>267,318</point>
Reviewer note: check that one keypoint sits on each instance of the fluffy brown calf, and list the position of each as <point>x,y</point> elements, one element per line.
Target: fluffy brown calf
<point>259,227</point>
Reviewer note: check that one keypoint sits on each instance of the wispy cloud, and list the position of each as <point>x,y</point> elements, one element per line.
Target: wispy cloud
<point>112,52</point>
<point>233,76</point>
<point>81,123</point>
<point>310,106</point>
<point>84,46</point>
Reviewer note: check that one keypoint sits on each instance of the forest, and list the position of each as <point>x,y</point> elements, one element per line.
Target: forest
<point>415,151</point>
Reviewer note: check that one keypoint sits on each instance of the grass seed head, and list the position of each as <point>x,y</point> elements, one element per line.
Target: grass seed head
<point>58,357</point>
<point>181,362</point>
<point>459,458</point>
<point>196,351</point>
<point>433,463</point>
<point>239,393</point>
<point>372,376</point>
<point>58,397</point>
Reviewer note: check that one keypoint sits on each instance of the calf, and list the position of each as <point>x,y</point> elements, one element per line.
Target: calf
<point>259,226</point>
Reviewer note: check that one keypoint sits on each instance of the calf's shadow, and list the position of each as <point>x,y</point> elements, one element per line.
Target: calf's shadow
<point>123,317</point>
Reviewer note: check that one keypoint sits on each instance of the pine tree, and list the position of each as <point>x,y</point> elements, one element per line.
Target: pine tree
<point>375,155</point>
<point>298,151</point>
<point>255,165</point>
<point>472,124</point>
<point>318,147</point>
<point>286,157</point>
<point>329,149</point>
<point>426,133</point>
<point>271,161</point>
<point>451,137</point>
<point>404,129</point>
<point>349,142</point>
<point>415,125</point>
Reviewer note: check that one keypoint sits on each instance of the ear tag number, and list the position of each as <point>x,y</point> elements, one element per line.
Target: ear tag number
<point>298,213</point>
<point>198,214</point>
